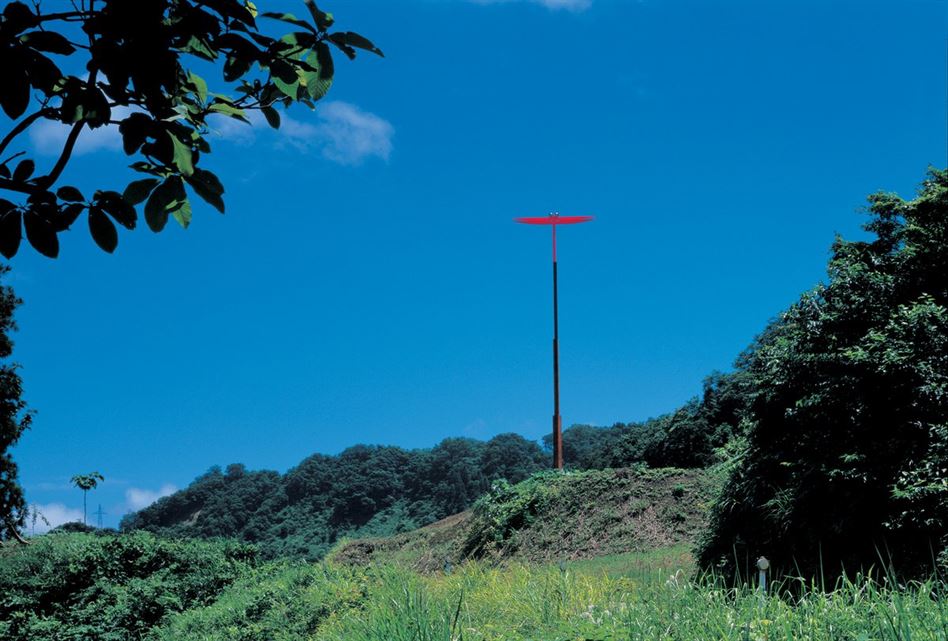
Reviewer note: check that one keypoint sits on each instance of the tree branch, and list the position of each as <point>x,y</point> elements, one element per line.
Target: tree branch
<point>46,181</point>
<point>65,15</point>
<point>21,126</point>
<point>22,187</point>
<point>16,535</point>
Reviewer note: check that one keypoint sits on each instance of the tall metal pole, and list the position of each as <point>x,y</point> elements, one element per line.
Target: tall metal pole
<point>557,420</point>
<point>553,220</point>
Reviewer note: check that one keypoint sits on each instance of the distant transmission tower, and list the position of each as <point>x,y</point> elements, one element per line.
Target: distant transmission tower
<point>99,514</point>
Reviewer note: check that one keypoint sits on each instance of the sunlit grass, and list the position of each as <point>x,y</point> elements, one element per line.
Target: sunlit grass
<point>627,597</point>
<point>519,603</point>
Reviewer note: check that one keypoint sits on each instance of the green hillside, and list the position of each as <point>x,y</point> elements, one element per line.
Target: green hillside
<point>364,491</point>
<point>554,517</point>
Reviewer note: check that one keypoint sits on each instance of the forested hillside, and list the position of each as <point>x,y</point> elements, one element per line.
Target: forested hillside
<point>371,491</point>
<point>364,491</point>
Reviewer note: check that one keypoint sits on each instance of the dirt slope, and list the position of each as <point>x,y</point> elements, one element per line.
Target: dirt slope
<point>555,516</point>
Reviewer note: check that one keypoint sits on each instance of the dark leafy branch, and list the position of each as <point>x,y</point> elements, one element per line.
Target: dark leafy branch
<point>136,59</point>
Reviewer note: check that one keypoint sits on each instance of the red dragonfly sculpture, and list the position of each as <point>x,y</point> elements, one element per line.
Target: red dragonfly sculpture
<point>553,220</point>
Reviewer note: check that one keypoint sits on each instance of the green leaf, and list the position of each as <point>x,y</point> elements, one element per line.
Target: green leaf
<point>137,191</point>
<point>148,168</point>
<point>230,9</point>
<point>287,89</point>
<point>317,85</point>
<point>284,71</point>
<point>183,156</point>
<point>17,17</point>
<point>341,42</point>
<point>200,86</point>
<point>290,18</point>
<point>300,39</point>
<point>207,186</point>
<point>24,170</point>
<point>229,110</point>
<point>134,129</point>
<point>272,116</point>
<point>285,77</point>
<point>183,214</point>
<point>103,230</point>
<point>166,197</point>
<point>322,19</point>
<point>43,74</point>
<point>115,205</point>
<point>41,234</point>
<point>70,194</point>
<point>11,229</point>
<point>200,48</point>
<point>68,215</point>
<point>15,96</point>
<point>235,67</point>
<point>361,42</point>
<point>47,41</point>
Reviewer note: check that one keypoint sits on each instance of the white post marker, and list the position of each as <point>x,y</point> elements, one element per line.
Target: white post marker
<point>762,565</point>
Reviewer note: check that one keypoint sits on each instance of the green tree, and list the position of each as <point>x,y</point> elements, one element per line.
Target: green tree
<point>847,447</point>
<point>86,482</point>
<point>15,418</point>
<point>136,56</point>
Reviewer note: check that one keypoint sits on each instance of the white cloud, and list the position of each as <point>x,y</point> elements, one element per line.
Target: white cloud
<point>339,131</point>
<point>235,131</point>
<point>49,136</point>
<point>138,498</point>
<point>342,133</point>
<point>54,513</point>
<point>568,5</point>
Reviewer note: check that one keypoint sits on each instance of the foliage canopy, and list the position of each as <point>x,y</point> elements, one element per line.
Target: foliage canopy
<point>846,459</point>
<point>135,58</point>
<point>14,418</point>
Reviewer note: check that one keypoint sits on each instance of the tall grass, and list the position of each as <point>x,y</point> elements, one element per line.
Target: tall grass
<point>583,600</point>
<point>524,603</point>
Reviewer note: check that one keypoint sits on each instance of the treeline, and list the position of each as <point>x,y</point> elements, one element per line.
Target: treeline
<point>694,436</point>
<point>383,490</point>
<point>364,491</point>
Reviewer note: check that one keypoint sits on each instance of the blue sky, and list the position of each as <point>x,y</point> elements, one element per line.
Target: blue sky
<point>367,283</point>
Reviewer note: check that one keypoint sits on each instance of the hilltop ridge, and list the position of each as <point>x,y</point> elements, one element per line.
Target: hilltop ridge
<point>554,517</point>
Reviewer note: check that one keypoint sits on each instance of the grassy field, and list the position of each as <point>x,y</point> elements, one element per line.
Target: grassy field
<point>628,597</point>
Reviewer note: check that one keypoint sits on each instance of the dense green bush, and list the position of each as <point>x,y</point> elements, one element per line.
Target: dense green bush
<point>89,587</point>
<point>846,459</point>
<point>283,601</point>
